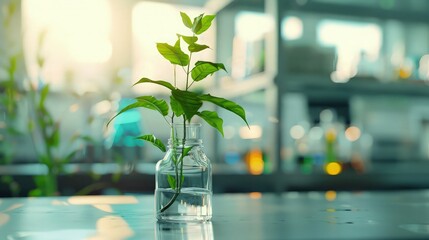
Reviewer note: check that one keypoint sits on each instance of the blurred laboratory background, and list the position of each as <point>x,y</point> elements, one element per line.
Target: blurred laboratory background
<point>336,94</point>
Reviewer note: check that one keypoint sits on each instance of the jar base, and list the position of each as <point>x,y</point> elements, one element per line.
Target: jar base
<point>183,218</point>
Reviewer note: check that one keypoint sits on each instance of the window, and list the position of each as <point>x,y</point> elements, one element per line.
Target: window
<point>74,39</point>
<point>355,42</point>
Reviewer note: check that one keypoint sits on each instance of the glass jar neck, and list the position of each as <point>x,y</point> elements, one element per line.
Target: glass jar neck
<point>189,135</point>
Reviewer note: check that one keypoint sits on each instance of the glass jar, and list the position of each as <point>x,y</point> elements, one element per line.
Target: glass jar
<point>183,188</point>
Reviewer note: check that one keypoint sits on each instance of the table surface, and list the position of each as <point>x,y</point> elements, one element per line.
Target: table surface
<point>292,215</point>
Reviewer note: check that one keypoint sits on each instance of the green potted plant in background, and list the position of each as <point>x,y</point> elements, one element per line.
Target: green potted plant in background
<point>47,135</point>
<point>10,90</point>
<point>183,177</point>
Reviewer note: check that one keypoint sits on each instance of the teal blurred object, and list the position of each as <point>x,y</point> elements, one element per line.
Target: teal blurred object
<point>127,126</point>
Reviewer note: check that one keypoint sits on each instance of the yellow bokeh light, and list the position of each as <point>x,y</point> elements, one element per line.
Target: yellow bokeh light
<point>255,162</point>
<point>405,72</point>
<point>330,195</point>
<point>333,168</point>
<point>331,135</point>
<point>255,195</point>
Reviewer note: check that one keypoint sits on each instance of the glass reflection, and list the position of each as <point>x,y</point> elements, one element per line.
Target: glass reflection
<point>184,231</point>
<point>97,200</point>
<point>4,218</point>
<point>112,227</point>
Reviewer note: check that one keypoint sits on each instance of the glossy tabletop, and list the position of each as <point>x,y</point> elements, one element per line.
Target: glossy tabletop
<point>292,215</point>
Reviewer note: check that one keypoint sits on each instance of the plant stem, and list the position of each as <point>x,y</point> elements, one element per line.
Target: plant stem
<point>178,177</point>
<point>176,194</point>
<point>187,72</point>
<point>182,155</point>
<point>174,77</point>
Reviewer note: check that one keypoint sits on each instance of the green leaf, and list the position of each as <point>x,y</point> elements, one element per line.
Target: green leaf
<point>13,65</point>
<point>197,47</point>
<point>197,24</point>
<point>145,102</point>
<point>226,104</point>
<point>70,156</point>
<point>159,82</point>
<point>175,107</point>
<point>189,102</point>
<point>45,160</point>
<point>173,54</point>
<point>206,22</point>
<point>189,39</point>
<point>186,20</point>
<point>202,69</point>
<point>151,102</point>
<point>43,94</point>
<point>187,150</point>
<point>213,119</point>
<point>177,44</point>
<point>54,139</point>
<point>37,192</point>
<point>155,141</point>
<point>171,181</point>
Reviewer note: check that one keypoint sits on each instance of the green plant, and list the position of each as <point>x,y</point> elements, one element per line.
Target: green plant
<point>46,134</point>
<point>10,94</point>
<point>184,103</point>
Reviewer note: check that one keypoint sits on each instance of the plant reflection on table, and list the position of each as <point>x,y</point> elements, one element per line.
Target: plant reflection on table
<point>189,231</point>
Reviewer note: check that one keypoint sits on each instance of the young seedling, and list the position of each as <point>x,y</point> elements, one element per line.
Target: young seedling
<point>184,103</point>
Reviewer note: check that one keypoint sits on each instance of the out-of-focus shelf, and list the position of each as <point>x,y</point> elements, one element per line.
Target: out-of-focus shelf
<point>235,88</point>
<point>344,8</point>
<point>358,10</point>
<point>320,85</point>
<point>413,175</point>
